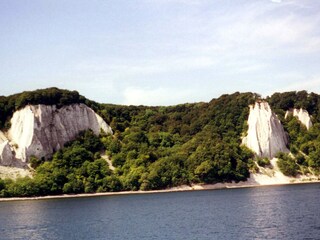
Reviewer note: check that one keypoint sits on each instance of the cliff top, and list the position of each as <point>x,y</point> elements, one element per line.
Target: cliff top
<point>48,96</point>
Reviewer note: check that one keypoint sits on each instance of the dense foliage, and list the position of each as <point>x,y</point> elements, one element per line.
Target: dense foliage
<point>301,99</point>
<point>287,164</point>
<point>304,144</point>
<point>49,96</point>
<point>161,147</point>
<point>78,168</point>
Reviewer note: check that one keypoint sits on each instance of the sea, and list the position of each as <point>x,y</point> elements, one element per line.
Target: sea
<point>276,212</point>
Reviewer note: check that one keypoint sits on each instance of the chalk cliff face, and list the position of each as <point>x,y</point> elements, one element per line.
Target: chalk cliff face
<point>6,155</point>
<point>266,136</point>
<point>41,130</point>
<point>2,137</point>
<point>302,115</point>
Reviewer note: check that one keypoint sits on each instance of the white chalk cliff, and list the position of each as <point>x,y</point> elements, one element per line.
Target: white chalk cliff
<point>302,115</point>
<point>40,130</point>
<point>6,154</point>
<point>266,136</point>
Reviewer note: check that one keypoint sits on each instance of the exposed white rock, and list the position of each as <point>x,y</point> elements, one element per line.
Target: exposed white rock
<point>14,172</point>
<point>302,115</point>
<point>266,136</point>
<point>6,155</point>
<point>3,138</point>
<point>41,130</point>
<point>108,160</point>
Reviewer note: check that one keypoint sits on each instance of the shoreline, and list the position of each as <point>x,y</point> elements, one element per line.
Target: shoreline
<point>185,188</point>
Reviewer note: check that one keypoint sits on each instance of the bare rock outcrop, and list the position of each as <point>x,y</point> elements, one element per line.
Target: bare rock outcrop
<point>40,130</point>
<point>3,138</point>
<point>6,154</point>
<point>302,115</point>
<point>266,136</point>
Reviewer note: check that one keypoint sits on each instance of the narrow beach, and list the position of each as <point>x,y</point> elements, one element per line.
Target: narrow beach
<point>184,188</point>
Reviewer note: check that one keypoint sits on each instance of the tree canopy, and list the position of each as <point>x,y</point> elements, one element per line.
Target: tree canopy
<point>161,147</point>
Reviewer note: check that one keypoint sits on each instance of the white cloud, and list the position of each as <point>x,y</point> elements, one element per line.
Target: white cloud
<point>255,31</point>
<point>248,46</point>
<point>247,39</point>
<point>112,70</point>
<point>311,84</point>
<point>188,2</point>
<point>156,96</point>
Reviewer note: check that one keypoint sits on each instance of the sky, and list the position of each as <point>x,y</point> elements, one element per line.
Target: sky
<point>159,52</point>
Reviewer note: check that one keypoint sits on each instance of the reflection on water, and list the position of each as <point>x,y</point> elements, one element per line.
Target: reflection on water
<point>20,218</point>
<point>287,212</point>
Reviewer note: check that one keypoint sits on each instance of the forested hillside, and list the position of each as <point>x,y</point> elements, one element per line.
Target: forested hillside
<point>50,96</point>
<point>304,144</point>
<point>161,147</point>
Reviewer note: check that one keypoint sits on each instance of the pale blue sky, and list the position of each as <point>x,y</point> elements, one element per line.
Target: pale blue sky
<point>159,52</point>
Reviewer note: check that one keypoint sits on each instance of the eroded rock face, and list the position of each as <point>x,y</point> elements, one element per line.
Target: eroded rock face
<point>3,138</point>
<point>6,155</point>
<point>302,115</point>
<point>41,130</point>
<point>266,136</point>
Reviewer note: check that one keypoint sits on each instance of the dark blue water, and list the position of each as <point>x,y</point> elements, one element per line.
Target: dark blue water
<point>286,212</point>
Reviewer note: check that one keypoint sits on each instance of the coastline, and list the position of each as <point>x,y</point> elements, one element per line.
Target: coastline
<point>184,188</point>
